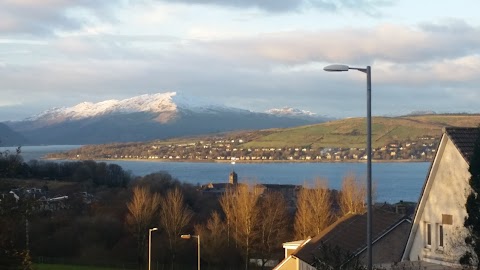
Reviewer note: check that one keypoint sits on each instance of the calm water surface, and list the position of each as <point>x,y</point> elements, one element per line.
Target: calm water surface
<point>393,181</point>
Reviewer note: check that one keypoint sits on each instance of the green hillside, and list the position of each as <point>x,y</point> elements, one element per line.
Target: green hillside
<point>351,132</point>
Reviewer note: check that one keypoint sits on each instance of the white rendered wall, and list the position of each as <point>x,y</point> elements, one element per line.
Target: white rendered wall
<point>445,194</point>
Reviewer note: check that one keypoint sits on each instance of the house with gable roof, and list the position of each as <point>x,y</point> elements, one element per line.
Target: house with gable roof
<point>437,234</point>
<point>348,237</point>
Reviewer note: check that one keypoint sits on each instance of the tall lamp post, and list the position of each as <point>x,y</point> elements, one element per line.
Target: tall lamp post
<point>150,247</point>
<point>188,236</point>
<point>366,70</point>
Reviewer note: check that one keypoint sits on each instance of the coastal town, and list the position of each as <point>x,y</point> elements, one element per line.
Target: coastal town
<point>235,149</point>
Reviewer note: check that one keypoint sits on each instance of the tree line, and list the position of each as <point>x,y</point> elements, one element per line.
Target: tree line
<point>242,224</point>
<point>87,171</point>
<point>248,223</point>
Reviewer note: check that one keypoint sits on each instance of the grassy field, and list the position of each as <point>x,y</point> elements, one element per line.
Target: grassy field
<point>351,132</point>
<point>69,267</point>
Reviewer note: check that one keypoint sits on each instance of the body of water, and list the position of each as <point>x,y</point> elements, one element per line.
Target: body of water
<point>394,181</point>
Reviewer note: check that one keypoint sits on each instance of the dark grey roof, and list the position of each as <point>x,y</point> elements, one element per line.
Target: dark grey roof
<point>349,233</point>
<point>464,139</point>
<point>280,186</point>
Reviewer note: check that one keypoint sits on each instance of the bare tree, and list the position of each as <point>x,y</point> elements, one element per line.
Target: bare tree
<point>321,202</point>
<point>352,196</point>
<point>228,207</point>
<point>10,163</point>
<point>302,215</point>
<point>243,214</point>
<point>214,241</point>
<point>174,216</point>
<point>273,225</point>
<point>142,213</point>
<point>314,211</point>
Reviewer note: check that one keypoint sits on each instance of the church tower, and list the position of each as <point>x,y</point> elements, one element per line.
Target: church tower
<point>233,178</point>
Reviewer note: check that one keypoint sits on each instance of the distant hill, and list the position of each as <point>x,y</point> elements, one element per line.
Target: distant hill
<point>351,132</point>
<point>409,137</point>
<point>144,118</point>
<point>8,137</point>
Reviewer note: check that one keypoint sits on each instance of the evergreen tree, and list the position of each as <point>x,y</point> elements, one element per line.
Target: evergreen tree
<point>472,221</point>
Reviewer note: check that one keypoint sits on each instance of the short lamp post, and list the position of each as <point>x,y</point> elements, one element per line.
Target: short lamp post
<point>366,70</point>
<point>188,236</point>
<point>150,247</point>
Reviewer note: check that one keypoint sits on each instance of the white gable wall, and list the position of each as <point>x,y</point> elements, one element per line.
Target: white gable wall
<point>289,263</point>
<point>443,201</point>
<point>293,263</point>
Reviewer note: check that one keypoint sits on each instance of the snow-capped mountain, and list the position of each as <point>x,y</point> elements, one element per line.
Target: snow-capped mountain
<point>152,103</point>
<point>145,117</point>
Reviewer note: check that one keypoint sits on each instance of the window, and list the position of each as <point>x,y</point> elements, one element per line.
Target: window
<point>428,234</point>
<point>440,235</point>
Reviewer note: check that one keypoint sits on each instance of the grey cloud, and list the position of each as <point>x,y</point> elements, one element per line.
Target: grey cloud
<point>269,5</point>
<point>39,18</point>
<point>369,7</point>
<point>366,6</point>
<point>448,26</point>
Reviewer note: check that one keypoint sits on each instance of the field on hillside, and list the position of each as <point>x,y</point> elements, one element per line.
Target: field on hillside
<point>352,132</point>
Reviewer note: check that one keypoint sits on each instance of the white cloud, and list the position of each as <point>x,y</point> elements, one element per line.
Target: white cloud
<point>388,42</point>
<point>459,70</point>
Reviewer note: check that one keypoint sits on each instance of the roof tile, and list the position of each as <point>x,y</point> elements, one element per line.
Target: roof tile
<point>464,139</point>
<point>349,233</point>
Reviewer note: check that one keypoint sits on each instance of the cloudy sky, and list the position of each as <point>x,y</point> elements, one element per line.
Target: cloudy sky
<point>252,54</point>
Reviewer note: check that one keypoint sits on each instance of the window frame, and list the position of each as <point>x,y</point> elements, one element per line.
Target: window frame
<point>428,235</point>
<point>440,236</point>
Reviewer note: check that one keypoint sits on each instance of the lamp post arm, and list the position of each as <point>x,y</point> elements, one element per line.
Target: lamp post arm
<point>364,70</point>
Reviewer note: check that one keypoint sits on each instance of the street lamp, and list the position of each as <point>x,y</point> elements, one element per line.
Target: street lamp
<point>367,70</point>
<point>188,236</point>
<point>150,246</point>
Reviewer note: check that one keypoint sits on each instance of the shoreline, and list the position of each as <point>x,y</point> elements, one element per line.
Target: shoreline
<point>244,161</point>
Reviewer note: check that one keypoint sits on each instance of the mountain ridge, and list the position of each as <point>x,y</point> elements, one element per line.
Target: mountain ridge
<point>145,117</point>
<point>155,103</point>
<point>8,137</point>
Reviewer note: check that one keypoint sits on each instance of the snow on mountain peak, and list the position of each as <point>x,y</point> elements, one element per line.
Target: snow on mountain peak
<point>156,103</point>
<point>288,111</point>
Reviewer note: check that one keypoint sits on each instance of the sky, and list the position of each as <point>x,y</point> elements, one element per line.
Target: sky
<point>250,54</point>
